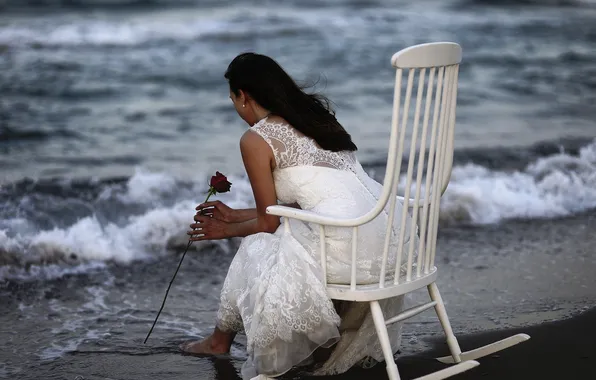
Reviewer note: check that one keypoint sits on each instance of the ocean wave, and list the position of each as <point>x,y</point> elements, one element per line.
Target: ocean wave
<point>149,4</point>
<point>236,23</point>
<point>67,223</point>
<point>145,216</point>
<point>173,25</point>
<point>8,134</point>
<point>552,3</point>
<point>558,185</point>
<point>86,4</point>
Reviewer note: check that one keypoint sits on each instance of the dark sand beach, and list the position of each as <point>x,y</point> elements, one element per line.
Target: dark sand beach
<point>557,350</point>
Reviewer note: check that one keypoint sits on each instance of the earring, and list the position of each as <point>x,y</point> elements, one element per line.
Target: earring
<point>244,105</point>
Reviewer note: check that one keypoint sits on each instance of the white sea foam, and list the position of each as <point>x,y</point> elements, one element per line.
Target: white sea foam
<point>553,186</point>
<point>75,326</point>
<point>145,235</point>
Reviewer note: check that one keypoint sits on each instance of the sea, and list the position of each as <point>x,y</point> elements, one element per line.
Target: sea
<point>115,113</point>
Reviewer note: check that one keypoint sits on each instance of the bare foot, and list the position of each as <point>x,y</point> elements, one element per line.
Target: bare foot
<point>204,347</point>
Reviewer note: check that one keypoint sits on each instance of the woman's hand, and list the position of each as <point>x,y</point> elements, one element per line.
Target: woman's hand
<point>217,210</point>
<point>208,228</point>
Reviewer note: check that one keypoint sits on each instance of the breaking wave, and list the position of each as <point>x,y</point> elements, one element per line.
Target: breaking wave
<point>58,225</point>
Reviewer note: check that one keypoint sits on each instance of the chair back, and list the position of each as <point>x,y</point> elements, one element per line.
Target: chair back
<point>424,111</point>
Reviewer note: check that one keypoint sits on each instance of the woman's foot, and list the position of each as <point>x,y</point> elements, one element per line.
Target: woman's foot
<point>206,346</point>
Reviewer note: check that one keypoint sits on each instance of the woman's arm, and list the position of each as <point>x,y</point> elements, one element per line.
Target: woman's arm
<point>246,214</point>
<point>223,212</point>
<point>259,162</point>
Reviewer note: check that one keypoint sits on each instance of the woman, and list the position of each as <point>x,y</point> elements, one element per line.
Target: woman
<point>296,152</point>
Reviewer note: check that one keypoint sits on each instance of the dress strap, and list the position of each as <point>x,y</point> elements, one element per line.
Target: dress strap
<point>279,136</point>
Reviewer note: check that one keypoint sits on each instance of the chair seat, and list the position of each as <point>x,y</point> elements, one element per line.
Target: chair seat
<point>372,292</point>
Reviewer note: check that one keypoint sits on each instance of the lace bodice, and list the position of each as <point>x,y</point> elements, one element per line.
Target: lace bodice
<point>291,148</point>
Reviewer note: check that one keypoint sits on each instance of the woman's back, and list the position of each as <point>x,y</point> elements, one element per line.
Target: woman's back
<point>305,173</point>
<point>331,184</point>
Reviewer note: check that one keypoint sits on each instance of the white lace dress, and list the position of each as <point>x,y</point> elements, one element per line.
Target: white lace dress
<point>274,290</point>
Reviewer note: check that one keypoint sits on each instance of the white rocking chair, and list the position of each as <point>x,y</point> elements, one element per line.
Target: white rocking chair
<point>435,67</point>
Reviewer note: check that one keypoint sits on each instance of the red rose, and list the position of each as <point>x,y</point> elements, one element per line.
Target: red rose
<point>220,183</point>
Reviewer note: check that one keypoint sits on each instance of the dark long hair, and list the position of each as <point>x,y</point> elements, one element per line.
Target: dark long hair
<point>273,89</point>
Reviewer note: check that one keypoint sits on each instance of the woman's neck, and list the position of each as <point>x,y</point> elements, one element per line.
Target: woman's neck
<point>262,115</point>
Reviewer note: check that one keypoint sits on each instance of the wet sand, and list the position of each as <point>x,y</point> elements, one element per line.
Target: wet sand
<point>535,277</point>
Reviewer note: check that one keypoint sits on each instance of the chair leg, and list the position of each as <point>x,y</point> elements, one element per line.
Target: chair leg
<point>433,291</point>
<point>381,328</point>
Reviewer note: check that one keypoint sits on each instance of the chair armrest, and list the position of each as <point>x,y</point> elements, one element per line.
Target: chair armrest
<point>310,217</point>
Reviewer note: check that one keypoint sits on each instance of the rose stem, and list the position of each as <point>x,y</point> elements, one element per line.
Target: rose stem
<point>211,192</point>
